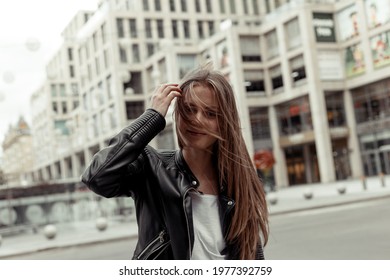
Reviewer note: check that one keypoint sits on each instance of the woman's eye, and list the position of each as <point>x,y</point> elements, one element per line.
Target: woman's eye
<point>211,114</point>
<point>187,109</point>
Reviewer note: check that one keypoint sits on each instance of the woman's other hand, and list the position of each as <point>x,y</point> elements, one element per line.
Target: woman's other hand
<point>163,96</point>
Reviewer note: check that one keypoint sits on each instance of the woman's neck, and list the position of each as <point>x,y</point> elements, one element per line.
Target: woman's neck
<point>202,166</point>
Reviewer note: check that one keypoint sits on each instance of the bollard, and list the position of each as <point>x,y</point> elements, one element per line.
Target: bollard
<point>364,182</point>
<point>308,193</point>
<point>342,189</point>
<point>50,231</point>
<point>272,198</point>
<point>382,179</point>
<point>101,223</point>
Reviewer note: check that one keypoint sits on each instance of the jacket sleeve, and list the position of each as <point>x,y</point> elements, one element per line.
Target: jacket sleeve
<point>111,165</point>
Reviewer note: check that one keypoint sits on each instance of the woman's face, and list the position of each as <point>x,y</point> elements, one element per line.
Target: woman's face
<point>201,114</point>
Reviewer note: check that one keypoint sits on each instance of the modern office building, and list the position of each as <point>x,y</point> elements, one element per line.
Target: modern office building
<point>311,79</point>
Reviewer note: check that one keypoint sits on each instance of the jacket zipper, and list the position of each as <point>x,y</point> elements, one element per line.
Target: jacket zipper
<point>158,239</point>
<point>188,228</point>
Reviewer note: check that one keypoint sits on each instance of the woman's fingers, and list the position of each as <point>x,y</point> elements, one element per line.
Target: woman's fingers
<point>163,96</point>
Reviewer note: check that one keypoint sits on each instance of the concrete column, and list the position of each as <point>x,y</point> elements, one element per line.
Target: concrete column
<point>317,104</point>
<point>355,159</point>
<point>280,168</point>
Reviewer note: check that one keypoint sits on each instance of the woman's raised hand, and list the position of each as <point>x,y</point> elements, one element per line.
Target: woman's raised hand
<point>163,96</point>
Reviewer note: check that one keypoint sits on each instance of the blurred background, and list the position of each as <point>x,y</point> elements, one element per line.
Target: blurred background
<point>311,79</point>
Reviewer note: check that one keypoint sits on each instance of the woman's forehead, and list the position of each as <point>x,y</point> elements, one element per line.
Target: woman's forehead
<point>201,96</point>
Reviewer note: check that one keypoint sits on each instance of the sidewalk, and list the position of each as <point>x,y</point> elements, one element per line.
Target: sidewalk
<point>288,200</point>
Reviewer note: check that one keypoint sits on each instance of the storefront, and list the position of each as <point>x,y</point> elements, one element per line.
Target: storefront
<point>372,111</point>
<point>302,164</point>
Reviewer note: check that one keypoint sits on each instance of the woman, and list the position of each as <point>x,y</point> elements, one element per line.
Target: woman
<point>203,201</point>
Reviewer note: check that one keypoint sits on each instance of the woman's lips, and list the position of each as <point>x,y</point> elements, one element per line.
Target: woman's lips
<point>195,132</point>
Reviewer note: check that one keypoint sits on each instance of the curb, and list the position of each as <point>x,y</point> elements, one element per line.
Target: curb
<point>314,207</point>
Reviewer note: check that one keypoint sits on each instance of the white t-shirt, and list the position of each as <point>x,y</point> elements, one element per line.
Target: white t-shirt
<point>208,238</point>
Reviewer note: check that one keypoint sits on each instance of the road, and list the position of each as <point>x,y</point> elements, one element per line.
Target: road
<point>355,231</point>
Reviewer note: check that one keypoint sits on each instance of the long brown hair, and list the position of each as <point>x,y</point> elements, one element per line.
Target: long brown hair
<point>235,167</point>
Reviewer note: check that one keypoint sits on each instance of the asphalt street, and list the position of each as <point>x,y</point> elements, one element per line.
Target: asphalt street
<point>355,231</point>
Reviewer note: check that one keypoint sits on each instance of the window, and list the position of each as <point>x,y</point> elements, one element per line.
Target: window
<point>62,90</point>
<point>162,68</point>
<point>197,6</point>
<point>60,126</point>
<point>113,118</point>
<point>80,55</point>
<point>64,107</point>
<point>276,77</point>
<point>293,34</point>
<point>122,55</point>
<point>172,5</point>
<point>133,28</point>
<point>134,109</point>
<point>208,6</point>
<point>103,32</point>
<point>157,5</point>
<point>100,93</point>
<point>148,28</point>
<point>232,6</point>
<point>297,68</point>
<point>89,71</point>
<point>70,54</point>
<point>222,6</point>
<point>200,29</point>
<point>105,58</point>
<point>145,4</point>
<point>255,7</point>
<point>135,83</point>
<point>160,28</point>
<point>272,44</point>
<point>245,3</point>
<point>186,28</point>
<point>135,52</point>
<point>211,28</point>
<point>250,48</point>
<point>254,81</point>
<point>150,49</point>
<point>175,32</point>
<point>75,89</point>
<point>267,6</point>
<point>108,85</point>
<point>94,42</point>
<point>186,63</point>
<point>372,102</point>
<point>53,90</point>
<point>119,27</point>
<point>97,65</point>
<point>71,71</point>
<point>335,109</point>
<point>259,123</point>
<point>183,5</point>
<point>54,107</point>
<point>294,116</point>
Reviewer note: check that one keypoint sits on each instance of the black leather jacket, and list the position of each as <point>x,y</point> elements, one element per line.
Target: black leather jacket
<point>159,182</point>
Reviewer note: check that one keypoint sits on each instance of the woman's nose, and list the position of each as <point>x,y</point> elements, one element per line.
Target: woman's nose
<point>200,116</point>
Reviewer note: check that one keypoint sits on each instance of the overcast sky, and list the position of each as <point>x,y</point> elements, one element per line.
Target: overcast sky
<point>22,69</point>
